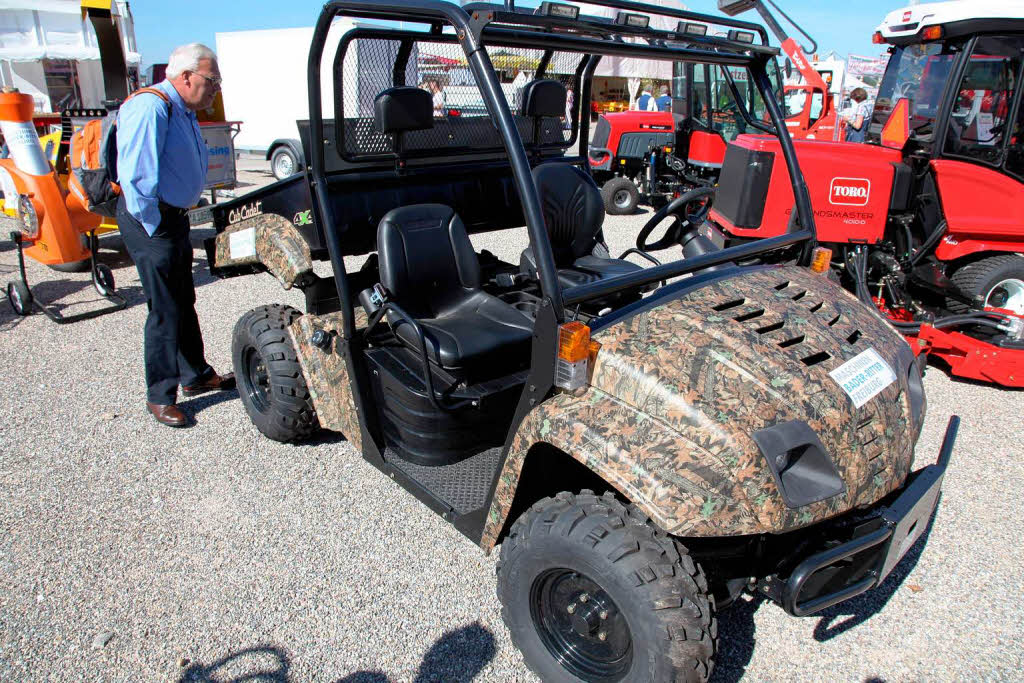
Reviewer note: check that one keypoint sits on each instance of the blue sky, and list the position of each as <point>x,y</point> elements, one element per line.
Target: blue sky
<point>160,25</point>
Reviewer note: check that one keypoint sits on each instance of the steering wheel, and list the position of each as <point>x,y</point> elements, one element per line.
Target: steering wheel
<point>682,219</point>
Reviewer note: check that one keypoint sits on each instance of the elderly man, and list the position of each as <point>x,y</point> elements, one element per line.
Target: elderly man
<point>161,163</point>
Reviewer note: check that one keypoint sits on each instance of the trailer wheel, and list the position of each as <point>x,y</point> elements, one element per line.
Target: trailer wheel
<point>620,196</point>
<point>283,162</point>
<point>20,297</point>
<point>103,279</point>
<point>996,281</point>
<point>591,590</point>
<point>270,381</point>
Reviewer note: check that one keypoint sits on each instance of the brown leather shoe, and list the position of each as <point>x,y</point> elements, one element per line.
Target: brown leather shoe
<point>169,415</point>
<point>213,383</point>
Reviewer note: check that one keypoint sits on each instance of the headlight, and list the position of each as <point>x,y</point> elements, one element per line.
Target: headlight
<point>28,217</point>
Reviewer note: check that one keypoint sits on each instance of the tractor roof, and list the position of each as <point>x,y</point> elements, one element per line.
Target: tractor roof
<point>958,18</point>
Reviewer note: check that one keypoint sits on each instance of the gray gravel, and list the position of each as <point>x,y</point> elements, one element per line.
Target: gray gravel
<point>130,551</point>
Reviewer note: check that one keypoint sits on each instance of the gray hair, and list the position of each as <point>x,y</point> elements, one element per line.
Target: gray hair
<point>186,58</point>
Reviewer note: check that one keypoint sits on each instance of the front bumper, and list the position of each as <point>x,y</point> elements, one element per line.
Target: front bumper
<point>870,550</point>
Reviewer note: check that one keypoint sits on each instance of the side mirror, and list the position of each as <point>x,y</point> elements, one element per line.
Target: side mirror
<point>789,69</point>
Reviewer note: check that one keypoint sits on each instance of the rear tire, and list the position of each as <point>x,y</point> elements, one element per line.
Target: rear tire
<point>620,196</point>
<point>283,163</point>
<point>643,592</point>
<point>996,281</point>
<point>270,381</point>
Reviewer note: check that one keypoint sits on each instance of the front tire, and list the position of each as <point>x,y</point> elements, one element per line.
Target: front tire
<point>591,590</point>
<point>270,381</point>
<point>620,196</point>
<point>996,281</point>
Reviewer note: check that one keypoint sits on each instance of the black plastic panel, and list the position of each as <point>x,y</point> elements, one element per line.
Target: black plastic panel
<point>637,145</point>
<point>421,434</point>
<point>803,469</point>
<point>743,186</point>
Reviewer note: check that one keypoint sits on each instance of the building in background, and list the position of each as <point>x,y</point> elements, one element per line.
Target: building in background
<point>49,50</point>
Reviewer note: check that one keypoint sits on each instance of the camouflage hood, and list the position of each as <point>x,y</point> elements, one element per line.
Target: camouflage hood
<point>721,362</point>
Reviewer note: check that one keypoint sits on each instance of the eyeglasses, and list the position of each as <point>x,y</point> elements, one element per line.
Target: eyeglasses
<point>214,80</point>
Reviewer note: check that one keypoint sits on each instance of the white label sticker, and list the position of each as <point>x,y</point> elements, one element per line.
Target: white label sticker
<point>863,376</point>
<point>242,243</point>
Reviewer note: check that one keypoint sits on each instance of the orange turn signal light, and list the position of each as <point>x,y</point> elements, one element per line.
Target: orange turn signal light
<point>821,257</point>
<point>932,33</point>
<point>573,341</point>
<point>877,38</point>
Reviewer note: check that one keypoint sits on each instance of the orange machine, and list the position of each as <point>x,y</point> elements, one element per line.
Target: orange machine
<point>54,226</point>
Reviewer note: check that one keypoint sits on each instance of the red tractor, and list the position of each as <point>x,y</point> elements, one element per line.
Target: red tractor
<point>926,220</point>
<point>656,156</point>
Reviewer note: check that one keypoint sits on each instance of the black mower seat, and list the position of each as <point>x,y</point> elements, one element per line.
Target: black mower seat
<point>573,215</point>
<point>429,268</point>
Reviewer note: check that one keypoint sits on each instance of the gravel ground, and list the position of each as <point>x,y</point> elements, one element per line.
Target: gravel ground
<point>130,551</point>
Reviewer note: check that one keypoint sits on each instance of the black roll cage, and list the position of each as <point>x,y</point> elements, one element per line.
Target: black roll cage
<point>474,24</point>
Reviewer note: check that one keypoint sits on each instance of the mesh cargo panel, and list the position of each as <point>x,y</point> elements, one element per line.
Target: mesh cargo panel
<point>369,63</point>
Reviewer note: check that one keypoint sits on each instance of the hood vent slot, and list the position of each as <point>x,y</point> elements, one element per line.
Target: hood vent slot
<point>749,316</point>
<point>729,304</point>
<point>791,342</point>
<point>816,358</point>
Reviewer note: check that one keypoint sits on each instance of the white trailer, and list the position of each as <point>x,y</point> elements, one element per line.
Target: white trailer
<point>265,85</point>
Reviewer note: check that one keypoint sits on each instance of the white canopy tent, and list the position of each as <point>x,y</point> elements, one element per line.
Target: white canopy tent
<point>48,50</point>
<point>632,69</point>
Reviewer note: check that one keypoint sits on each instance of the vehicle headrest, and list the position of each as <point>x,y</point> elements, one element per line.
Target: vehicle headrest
<point>544,98</point>
<point>403,108</point>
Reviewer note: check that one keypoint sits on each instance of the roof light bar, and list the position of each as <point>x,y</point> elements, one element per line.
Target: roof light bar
<point>741,36</point>
<point>733,7</point>
<point>692,29</point>
<point>634,20</point>
<point>559,9</point>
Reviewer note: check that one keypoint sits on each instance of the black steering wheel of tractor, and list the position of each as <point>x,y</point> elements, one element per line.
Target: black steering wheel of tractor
<point>682,218</point>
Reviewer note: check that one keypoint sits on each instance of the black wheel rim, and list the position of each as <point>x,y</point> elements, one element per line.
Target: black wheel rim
<point>581,626</point>
<point>256,380</point>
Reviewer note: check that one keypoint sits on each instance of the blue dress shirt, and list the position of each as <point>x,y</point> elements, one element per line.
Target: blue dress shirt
<point>161,155</point>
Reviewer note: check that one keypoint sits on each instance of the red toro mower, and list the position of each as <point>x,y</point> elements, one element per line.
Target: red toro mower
<point>926,220</point>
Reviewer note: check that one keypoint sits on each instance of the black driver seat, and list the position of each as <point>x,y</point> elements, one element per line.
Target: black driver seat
<point>573,215</point>
<point>430,270</point>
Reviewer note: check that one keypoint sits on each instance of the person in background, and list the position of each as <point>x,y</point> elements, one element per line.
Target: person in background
<point>858,119</point>
<point>434,87</point>
<point>161,163</point>
<point>664,100</point>
<point>570,103</point>
<point>646,101</point>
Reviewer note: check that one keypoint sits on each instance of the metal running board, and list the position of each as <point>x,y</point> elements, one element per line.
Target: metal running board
<point>463,486</point>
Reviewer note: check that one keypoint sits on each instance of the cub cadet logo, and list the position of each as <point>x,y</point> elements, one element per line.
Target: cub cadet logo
<point>849,191</point>
<point>244,212</point>
<point>303,218</point>
<point>906,16</point>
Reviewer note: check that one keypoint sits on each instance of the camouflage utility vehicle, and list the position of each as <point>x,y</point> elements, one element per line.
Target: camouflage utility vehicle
<point>644,446</point>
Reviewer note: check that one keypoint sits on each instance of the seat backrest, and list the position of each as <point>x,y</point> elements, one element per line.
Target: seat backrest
<point>427,262</point>
<point>403,108</point>
<point>572,208</point>
<point>545,97</point>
